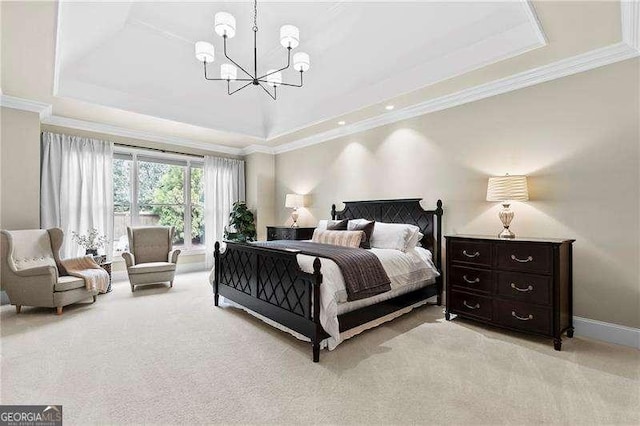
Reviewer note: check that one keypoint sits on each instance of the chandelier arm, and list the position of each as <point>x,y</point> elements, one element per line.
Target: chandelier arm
<point>238,89</point>
<point>287,84</point>
<point>269,93</point>
<point>222,79</point>
<point>283,68</point>
<point>234,62</point>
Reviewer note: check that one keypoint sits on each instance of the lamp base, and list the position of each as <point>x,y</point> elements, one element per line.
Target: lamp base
<point>294,217</point>
<point>506,216</point>
<point>506,234</point>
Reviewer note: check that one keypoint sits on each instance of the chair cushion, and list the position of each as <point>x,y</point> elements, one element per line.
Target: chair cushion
<point>66,283</point>
<point>145,268</point>
<point>150,244</point>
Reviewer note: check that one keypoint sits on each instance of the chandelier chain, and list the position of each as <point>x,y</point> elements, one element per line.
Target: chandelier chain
<point>255,15</point>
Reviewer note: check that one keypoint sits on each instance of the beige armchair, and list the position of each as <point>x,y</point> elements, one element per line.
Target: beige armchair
<point>151,258</point>
<point>31,272</point>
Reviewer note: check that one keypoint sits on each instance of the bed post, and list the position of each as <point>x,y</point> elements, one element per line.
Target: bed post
<point>333,212</point>
<point>438,245</point>
<point>317,335</point>
<point>216,272</point>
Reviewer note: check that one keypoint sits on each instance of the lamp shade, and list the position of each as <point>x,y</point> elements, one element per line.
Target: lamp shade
<point>507,188</point>
<point>293,201</point>
<point>228,72</point>
<point>225,24</point>
<point>289,36</point>
<point>301,62</point>
<point>204,51</point>
<point>274,79</point>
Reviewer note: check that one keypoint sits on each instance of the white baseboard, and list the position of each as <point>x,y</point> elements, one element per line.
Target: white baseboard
<point>607,332</point>
<point>182,268</point>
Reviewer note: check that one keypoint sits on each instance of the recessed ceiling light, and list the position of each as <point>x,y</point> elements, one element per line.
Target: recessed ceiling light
<point>389,107</point>
<point>342,123</point>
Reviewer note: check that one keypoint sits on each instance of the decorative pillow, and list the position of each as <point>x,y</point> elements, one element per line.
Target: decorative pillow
<point>322,225</point>
<point>396,236</point>
<point>337,225</point>
<point>338,238</point>
<point>363,225</point>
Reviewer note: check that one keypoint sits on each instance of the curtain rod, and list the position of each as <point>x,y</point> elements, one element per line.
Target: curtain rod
<point>166,151</point>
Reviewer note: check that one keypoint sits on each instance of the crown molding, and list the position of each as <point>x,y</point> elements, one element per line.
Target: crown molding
<point>562,68</point>
<point>257,149</point>
<point>630,17</point>
<point>92,126</point>
<point>43,109</point>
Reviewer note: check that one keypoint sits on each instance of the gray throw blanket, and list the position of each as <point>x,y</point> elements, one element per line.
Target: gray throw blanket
<point>362,271</point>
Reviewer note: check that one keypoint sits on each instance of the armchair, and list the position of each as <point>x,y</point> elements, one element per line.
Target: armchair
<point>151,258</point>
<point>31,272</point>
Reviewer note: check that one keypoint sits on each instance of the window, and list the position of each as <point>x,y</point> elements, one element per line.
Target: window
<point>158,190</point>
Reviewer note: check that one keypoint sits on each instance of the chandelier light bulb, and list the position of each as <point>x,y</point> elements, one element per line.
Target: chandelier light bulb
<point>289,36</point>
<point>225,24</point>
<point>228,72</point>
<point>301,62</point>
<point>274,79</point>
<point>204,51</point>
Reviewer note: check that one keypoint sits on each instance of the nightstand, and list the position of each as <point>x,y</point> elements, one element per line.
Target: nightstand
<point>289,233</point>
<point>524,284</point>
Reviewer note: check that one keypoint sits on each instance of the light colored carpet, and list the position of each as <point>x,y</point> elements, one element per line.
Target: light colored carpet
<point>164,355</point>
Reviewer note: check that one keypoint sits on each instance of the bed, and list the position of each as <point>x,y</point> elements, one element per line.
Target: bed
<point>285,288</point>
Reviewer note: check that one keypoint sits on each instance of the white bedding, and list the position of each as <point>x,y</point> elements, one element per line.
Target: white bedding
<point>407,272</point>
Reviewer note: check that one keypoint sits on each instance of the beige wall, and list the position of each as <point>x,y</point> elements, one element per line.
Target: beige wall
<point>19,169</point>
<point>577,138</point>
<point>260,182</point>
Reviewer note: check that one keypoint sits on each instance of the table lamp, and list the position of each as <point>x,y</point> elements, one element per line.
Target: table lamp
<point>506,189</point>
<point>294,201</point>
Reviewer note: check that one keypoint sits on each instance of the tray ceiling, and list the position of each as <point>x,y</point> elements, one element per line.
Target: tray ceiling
<point>139,56</point>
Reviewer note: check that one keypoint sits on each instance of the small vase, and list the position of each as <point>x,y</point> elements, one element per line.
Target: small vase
<point>92,252</point>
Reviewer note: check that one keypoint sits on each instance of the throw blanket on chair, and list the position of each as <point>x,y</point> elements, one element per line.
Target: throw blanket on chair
<point>362,271</point>
<point>95,278</point>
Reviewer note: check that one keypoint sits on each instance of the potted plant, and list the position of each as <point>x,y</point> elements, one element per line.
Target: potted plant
<point>91,242</point>
<point>242,226</point>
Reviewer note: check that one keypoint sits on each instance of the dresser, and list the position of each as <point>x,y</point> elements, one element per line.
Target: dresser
<point>289,233</point>
<point>524,284</point>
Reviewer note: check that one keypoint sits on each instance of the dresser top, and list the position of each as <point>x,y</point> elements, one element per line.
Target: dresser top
<point>516,239</point>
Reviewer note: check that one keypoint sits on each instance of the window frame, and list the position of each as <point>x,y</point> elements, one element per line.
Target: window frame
<point>135,155</point>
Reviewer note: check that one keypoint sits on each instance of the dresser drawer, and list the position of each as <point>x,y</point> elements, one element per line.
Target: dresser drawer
<point>471,279</point>
<point>523,316</point>
<point>525,257</point>
<point>525,287</point>
<point>472,305</point>
<point>475,252</point>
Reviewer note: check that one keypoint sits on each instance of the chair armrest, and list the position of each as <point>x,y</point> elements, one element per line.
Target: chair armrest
<point>129,259</point>
<point>173,255</point>
<point>38,271</point>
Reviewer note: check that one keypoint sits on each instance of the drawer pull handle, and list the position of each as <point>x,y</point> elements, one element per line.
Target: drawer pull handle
<point>516,316</point>
<point>524,290</point>
<point>477,305</point>
<point>472,255</point>
<point>477,280</point>
<point>527,260</point>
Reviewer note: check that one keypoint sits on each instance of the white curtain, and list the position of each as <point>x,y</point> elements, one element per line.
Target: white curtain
<point>223,185</point>
<point>76,188</point>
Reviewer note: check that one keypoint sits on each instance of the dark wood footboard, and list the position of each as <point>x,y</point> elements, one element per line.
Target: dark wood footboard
<point>271,283</point>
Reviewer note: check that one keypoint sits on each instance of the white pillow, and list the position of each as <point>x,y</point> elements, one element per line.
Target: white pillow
<point>397,236</point>
<point>415,241</point>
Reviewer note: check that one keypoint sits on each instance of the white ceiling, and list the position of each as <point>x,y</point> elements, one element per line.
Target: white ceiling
<point>140,57</point>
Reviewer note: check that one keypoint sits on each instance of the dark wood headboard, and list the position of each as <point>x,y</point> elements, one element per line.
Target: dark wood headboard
<point>400,211</point>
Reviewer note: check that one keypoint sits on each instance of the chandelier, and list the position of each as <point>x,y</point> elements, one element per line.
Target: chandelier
<point>225,27</point>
